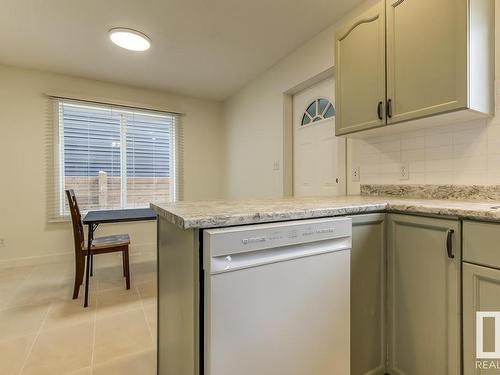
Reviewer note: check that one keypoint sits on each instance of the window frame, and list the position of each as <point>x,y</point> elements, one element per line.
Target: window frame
<point>316,103</point>
<point>175,175</point>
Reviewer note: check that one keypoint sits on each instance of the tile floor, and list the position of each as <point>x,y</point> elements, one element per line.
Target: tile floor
<point>44,331</point>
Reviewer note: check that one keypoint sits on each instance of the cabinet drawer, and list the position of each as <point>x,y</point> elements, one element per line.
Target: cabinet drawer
<point>481,288</point>
<point>481,243</point>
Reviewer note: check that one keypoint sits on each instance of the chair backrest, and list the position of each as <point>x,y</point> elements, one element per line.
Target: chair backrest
<point>76,218</point>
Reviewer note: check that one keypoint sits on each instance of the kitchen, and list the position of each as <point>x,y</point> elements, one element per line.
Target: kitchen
<point>336,213</point>
<point>421,259</point>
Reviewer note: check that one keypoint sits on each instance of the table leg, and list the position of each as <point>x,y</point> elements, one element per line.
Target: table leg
<point>87,269</point>
<point>91,265</point>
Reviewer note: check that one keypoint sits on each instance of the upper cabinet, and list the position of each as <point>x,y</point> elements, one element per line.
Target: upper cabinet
<point>438,59</point>
<point>360,72</point>
<point>426,57</point>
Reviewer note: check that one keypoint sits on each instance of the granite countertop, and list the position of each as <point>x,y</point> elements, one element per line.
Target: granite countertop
<point>210,214</point>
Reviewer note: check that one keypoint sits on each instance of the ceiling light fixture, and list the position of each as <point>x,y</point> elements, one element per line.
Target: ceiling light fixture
<point>132,40</point>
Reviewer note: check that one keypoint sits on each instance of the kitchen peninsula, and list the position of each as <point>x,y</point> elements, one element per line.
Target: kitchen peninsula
<point>399,233</point>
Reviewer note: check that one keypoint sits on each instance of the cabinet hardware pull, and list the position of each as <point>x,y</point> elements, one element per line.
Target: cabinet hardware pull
<point>379,110</point>
<point>449,243</point>
<point>389,108</point>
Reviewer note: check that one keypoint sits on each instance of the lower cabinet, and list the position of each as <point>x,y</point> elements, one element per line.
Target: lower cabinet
<point>368,353</point>
<point>423,296</point>
<point>481,292</point>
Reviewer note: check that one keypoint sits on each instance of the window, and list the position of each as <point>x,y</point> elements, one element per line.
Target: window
<point>319,109</point>
<point>116,157</point>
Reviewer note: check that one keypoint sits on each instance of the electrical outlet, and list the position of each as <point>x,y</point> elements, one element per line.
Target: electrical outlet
<point>404,171</point>
<point>276,165</point>
<point>2,242</point>
<point>356,174</point>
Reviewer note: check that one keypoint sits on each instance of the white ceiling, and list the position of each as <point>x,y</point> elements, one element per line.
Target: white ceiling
<point>205,48</point>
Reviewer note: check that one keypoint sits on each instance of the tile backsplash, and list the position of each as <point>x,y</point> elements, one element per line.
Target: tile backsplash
<point>461,153</point>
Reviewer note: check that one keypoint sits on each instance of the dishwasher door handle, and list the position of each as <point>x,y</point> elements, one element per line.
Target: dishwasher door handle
<point>236,261</point>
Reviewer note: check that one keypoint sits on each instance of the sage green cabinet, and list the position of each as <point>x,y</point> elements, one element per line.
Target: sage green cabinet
<point>481,292</point>
<point>426,57</point>
<point>481,289</point>
<point>423,301</point>
<point>418,59</point>
<point>360,72</point>
<point>482,243</point>
<point>368,295</point>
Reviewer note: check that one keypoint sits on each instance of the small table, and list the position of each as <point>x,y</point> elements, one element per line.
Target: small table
<point>94,218</point>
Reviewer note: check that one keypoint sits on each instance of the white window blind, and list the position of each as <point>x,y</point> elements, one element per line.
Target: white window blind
<point>116,157</point>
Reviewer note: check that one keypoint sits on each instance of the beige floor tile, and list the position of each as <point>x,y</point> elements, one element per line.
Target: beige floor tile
<point>6,294</point>
<point>69,284</point>
<point>13,353</point>
<point>143,363</point>
<point>61,350</point>
<point>143,278</point>
<point>143,272</point>
<point>37,301</point>
<point>115,301</point>
<point>69,312</point>
<point>144,267</point>
<point>151,318</point>
<point>120,335</point>
<point>106,278</point>
<point>12,277</point>
<point>83,371</point>
<point>39,292</point>
<point>21,321</point>
<point>147,291</point>
<point>109,260</point>
<point>54,272</point>
<point>111,284</point>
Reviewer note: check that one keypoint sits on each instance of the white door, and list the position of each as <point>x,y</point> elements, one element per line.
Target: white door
<point>319,156</point>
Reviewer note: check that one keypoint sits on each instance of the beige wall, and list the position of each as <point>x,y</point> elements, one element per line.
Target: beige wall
<point>458,153</point>
<point>23,149</point>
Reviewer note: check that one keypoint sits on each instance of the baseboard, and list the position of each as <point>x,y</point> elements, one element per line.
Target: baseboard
<point>138,253</point>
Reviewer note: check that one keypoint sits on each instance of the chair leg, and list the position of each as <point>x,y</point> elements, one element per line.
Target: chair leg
<point>78,278</point>
<point>127,268</point>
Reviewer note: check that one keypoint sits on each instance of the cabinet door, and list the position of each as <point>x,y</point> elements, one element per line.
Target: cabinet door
<point>360,72</point>
<point>481,292</point>
<point>368,295</point>
<point>423,296</point>
<point>426,57</point>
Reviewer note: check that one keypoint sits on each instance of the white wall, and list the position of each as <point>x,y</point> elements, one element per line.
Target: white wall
<point>463,154</point>
<point>460,153</point>
<point>23,145</point>
<point>254,118</point>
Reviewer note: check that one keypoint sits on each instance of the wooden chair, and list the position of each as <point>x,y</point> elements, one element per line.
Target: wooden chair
<point>100,245</point>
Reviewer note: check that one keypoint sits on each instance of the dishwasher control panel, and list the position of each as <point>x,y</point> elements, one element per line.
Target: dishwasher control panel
<point>277,236</point>
<point>246,238</point>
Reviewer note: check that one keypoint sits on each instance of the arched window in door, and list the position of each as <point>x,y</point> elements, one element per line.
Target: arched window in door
<point>319,109</point>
